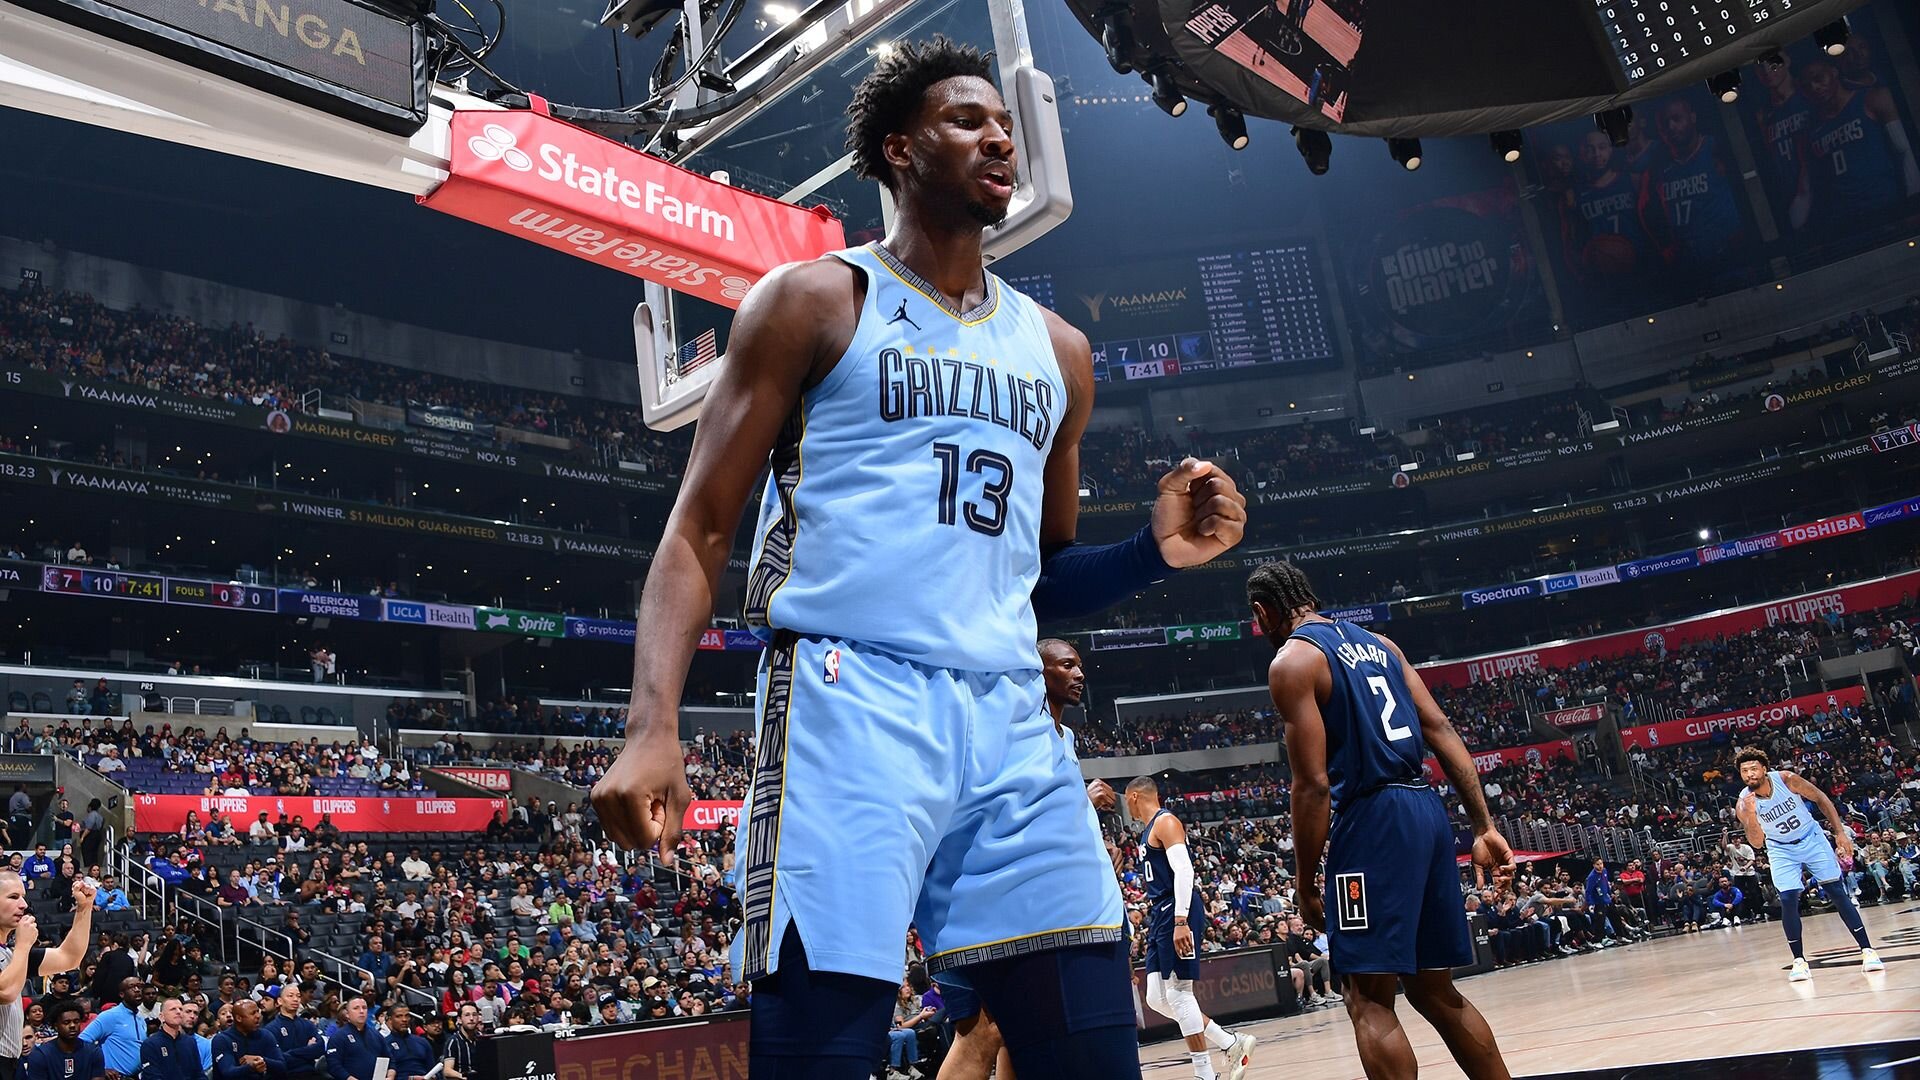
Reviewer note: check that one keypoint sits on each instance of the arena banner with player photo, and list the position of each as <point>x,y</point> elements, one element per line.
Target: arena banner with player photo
<point>1659,640</point>
<point>1446,265</point>
<point>395,813</point>
<point>1658,222</point>
<point>529,175</point>
<point>1834,138</point>
<point>1740,721</point>
<point>1485,761</point>
<point>709,815</point>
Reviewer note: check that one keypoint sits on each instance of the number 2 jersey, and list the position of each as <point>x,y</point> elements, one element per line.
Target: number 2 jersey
<point>1373,730</point>
<point>903,506</point>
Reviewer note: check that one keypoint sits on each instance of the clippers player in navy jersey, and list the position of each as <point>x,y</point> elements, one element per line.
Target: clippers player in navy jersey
<point>919,517</point>
<point>1859,159</point>
<point>1608,202</point>
<point>1176,927</point>
<point>1782,117</point>
<point>1694,206</point>
<point>1358,724</point>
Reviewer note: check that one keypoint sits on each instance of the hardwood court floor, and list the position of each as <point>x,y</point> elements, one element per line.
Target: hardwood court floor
<point>1714,994</point>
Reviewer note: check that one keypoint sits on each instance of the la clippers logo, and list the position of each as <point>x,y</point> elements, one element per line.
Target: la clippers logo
<point>830,666</point>
<point>1350,897</point>
<point>495,143</point>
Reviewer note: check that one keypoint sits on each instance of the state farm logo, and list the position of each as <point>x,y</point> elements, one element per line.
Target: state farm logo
<point>495,143</point>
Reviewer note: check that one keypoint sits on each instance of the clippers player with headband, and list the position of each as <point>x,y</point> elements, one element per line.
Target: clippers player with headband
<point>1358,725</point>
<point>1778,821</point>
<point>1176,926</point>
<point>907,769</point>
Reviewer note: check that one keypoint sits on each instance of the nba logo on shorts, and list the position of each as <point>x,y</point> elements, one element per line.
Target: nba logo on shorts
<point>830,666</point>
<point>1350,900</point>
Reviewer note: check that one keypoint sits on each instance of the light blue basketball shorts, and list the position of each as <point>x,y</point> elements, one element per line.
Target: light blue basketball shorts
<point>886,793</point>
<point>1813,855</point>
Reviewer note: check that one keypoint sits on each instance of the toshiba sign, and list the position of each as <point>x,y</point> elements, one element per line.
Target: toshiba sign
<point>529,175</point>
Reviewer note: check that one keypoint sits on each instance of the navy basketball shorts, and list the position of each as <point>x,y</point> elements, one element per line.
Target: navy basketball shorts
<point>1393,886</point>
<point>957,992</point>
<point>1162,957</point>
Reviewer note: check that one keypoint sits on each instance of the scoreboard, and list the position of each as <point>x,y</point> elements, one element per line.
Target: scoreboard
<point>115,583</point>
<point>1650,36</point>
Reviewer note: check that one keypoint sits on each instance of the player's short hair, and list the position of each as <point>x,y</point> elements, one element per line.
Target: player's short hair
<point>1751,753</point>
<point>62,1008</point>
<point>886,100</point>
<point>1046,643</point>
<point>1282,587</point>
<point>1144,785</point>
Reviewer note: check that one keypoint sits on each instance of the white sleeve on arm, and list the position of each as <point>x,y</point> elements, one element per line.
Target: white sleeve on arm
<point>1182,864</point>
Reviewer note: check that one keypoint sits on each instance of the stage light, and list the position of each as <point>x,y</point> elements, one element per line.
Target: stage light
<point>1706,534</point>
<point>1616,122</point>
<point>1406,152</point>
<point>1116,37</point>
<point>1167,95</point>
<point>1232,125</point>
<point>1316,147</point>
<point>1726,86</point>
<point>1833,36</point>
<point>1508,144</point>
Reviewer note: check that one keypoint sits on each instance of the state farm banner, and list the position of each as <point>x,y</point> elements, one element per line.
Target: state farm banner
<point>167,813</point>
<point>1658,640</point>
<point>708,815</point>
<point>1694,729</point>
<point>1485,761</point>
<point>491,779</point>
<point>531,176</point>
<point>1577,717</point>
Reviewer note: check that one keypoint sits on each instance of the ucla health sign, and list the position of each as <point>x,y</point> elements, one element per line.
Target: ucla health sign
<point>1584,579</point>
<point>451,616</point>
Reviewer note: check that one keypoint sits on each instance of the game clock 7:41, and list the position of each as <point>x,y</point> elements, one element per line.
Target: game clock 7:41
<point>69,579</point>
<point>1136,358</point>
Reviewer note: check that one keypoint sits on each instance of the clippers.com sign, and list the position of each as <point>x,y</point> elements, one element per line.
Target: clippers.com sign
<point>529,175</point>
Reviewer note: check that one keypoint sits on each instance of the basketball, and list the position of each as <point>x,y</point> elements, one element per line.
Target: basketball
<point>1610,255</point>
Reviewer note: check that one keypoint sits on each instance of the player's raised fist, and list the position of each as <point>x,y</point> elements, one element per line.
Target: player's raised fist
<point>1198,514</point>
<point>83,893</point>
<point>25,934</point>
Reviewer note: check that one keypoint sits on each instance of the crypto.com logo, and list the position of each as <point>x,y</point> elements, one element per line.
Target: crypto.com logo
<point>495,143</point>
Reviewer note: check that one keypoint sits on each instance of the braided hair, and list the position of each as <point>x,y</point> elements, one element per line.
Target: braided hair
<point>886,100</point>
<point>1282,588</point>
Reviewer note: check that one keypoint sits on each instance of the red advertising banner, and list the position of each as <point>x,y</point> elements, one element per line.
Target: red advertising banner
<point>166,813</point>
<point>531,176</point>
<point>1824,529</point>
<point>710,1049</point>
<point>709,815</point>
<point>1485,761</point>
<point>491,779</point>
<point>1659,640</point>
<point>1578,717</point>
<point>1694,729</point>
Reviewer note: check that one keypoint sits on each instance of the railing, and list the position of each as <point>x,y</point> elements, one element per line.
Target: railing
<point>1611,843</point>
<point>200,706</point>
<point>146,890</point>
<point>196,908</point>
<point>259,937</point>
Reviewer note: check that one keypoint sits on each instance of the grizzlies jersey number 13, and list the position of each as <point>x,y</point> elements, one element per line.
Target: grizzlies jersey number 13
<point>903,508</point>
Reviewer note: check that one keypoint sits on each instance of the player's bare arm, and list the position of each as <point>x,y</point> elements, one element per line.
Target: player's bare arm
<point>1199,512</point>
<point>1750,821</point>
<point>1297,679</point>
<point>1490,849</point>
<point>1842,836</point>
<point>790,331</point>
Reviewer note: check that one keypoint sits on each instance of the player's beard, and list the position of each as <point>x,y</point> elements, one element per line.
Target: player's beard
<point>986,215</point>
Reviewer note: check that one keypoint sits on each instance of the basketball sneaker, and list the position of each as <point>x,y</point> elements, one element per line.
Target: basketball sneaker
<point>1801,972</point>
<point>1870,961</point>
<point>1239,1055</point>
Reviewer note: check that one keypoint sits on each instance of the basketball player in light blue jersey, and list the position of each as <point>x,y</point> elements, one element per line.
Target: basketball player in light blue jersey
<point>1774,810</point>
<point>922,422</point>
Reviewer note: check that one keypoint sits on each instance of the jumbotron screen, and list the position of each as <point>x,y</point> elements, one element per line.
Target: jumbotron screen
<point>1650,36</point>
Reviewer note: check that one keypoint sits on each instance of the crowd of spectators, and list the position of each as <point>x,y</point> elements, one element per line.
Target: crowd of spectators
<point>1119,462</point>
<point>73,334</point>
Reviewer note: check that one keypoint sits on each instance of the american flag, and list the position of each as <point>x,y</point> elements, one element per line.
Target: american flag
<point>697,353</point>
